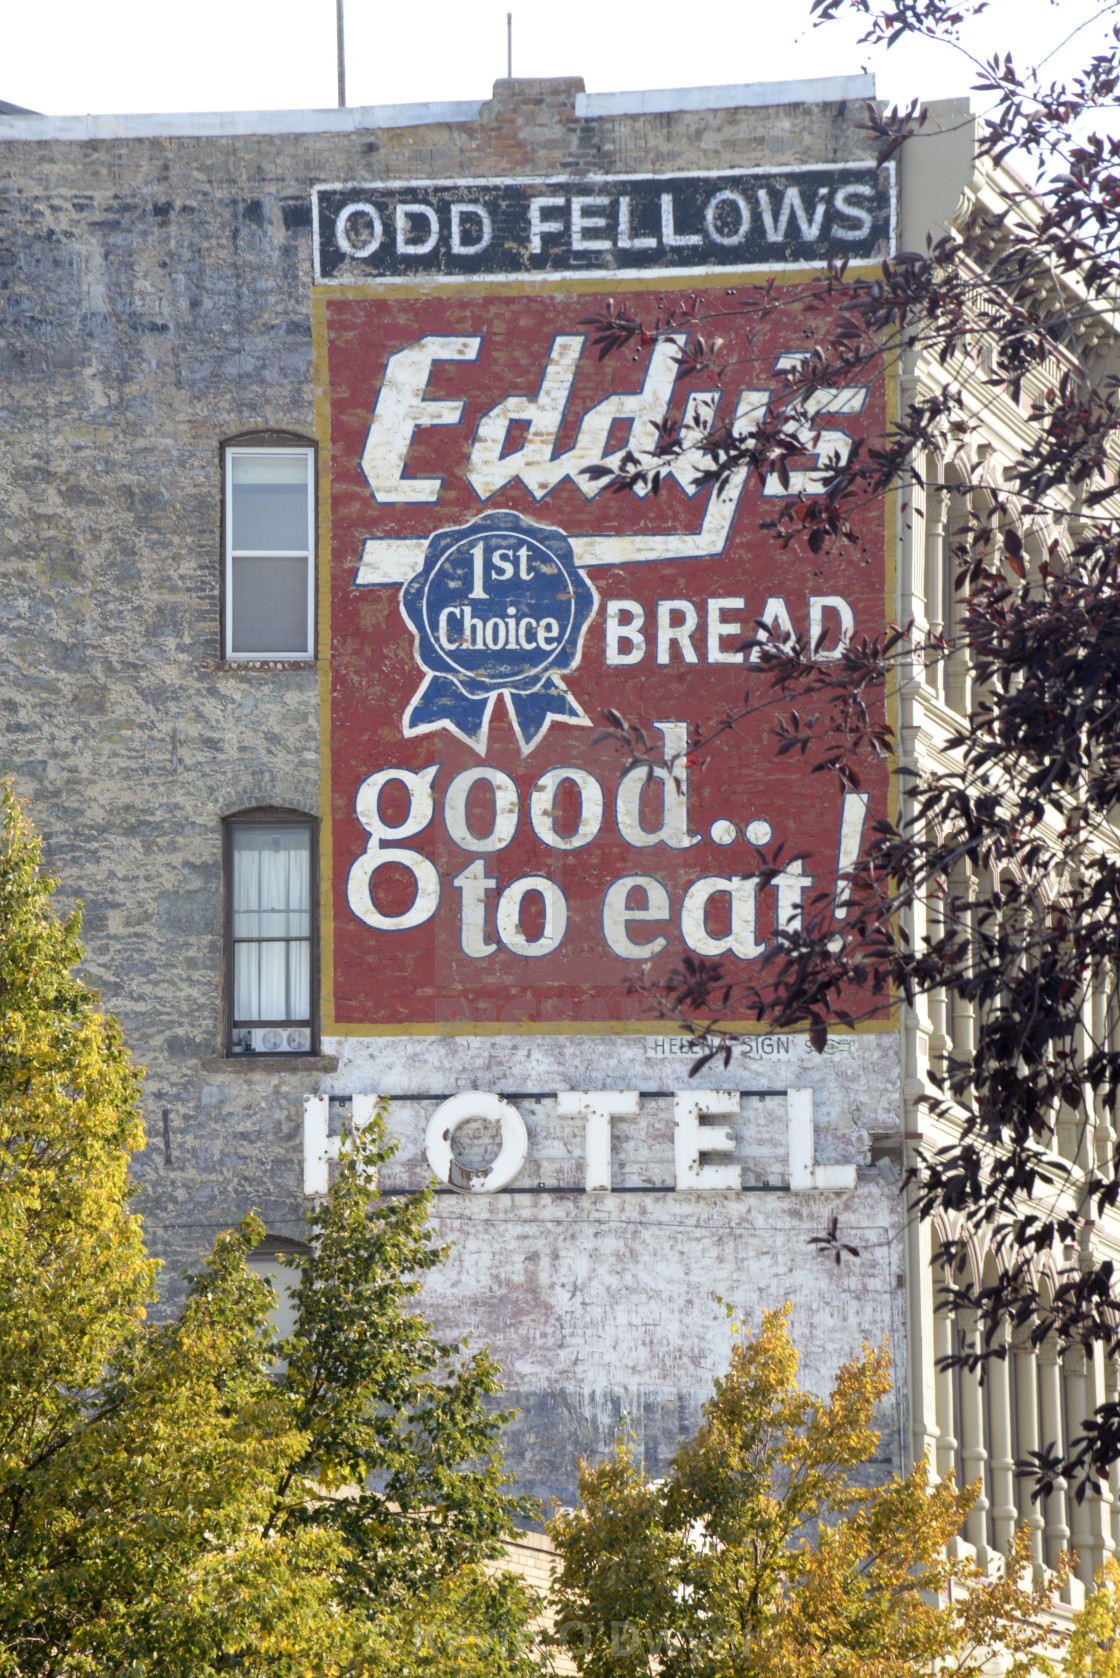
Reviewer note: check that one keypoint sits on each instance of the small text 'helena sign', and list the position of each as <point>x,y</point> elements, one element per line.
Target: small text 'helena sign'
<point>739,218</point>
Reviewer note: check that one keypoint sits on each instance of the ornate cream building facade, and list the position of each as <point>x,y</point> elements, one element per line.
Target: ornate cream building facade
<point>1034,1397</point>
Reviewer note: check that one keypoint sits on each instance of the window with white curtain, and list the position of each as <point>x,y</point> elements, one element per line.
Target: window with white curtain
<point>271,933</point>
<point>269,539</point>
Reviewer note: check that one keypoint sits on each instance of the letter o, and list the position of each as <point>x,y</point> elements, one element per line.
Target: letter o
<point>575,1625</point>
<point>495,633</point>
<point>359,882</point>
<point>542,805</point>
<point>360,252</point>
<point>506,809</point>
<point>727,197</point>
<point>445,1121</point>
<point>508,918</point>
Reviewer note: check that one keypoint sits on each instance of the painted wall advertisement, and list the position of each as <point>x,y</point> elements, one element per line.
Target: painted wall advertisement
<point>486,866</point>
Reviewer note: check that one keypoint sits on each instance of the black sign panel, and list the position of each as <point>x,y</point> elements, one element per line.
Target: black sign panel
<point>737,218</point>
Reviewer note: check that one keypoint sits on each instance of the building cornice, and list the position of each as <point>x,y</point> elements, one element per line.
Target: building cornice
<point>358,118</point>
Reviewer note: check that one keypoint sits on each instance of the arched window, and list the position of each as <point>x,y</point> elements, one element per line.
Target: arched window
<point>272,935</point>
<point>266,1260</point>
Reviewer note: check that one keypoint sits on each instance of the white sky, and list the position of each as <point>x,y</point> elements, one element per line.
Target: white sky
<point>76,56</point>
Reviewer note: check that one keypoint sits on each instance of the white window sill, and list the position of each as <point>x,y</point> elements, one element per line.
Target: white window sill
<point>250,666</point>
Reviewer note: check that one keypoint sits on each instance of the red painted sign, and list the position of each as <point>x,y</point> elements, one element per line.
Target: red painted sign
<point>489,866</point>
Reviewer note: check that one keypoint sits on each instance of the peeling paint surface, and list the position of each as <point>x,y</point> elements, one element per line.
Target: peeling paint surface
<point>607,1305</point>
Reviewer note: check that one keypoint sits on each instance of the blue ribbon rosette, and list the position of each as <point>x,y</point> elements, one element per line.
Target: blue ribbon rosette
<point>499,609</point>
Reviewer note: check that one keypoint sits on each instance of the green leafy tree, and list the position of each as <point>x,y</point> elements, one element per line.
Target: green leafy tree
<point>197,1498</point>
<point>390,1413</point>
<point>760,1554</point>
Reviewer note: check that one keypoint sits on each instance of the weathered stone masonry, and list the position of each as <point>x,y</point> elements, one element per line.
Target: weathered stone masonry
<point>155,298</point>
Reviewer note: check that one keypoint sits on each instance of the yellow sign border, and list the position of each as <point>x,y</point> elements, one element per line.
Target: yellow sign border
<point>519,285</point>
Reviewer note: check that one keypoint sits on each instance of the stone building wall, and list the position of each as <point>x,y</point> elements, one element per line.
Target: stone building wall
<point>155,298</point>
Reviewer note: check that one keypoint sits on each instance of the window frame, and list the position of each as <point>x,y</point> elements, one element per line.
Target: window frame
<point>268,442</point>
<point>270,816</point>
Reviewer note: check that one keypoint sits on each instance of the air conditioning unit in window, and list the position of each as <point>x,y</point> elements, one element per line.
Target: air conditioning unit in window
<point>279,1040</point>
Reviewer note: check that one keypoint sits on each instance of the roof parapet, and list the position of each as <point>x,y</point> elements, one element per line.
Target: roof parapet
<point>351,119</point>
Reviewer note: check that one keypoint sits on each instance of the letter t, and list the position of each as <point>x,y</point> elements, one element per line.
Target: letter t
<point>474,883</point>
<point>597,1108</point>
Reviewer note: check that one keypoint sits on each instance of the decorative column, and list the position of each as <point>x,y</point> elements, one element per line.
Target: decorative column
<point>974,1456</point>
<point>956,666</point>
<point>1054,1508</point>
<point>937,505</point>
<point>943,1387</point>
<point>1001,1469</point>
<point>922,1344</point>
<point>912,594</point>
<point>937,1000</point>
<point>1098,1504</point>
<point>1104,1011</point>
<point>1075,1376</point>
<point>962,887</point>
<point>1026,1403</point>
<point>1087,1119</point>
<point>1112,1395</point>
